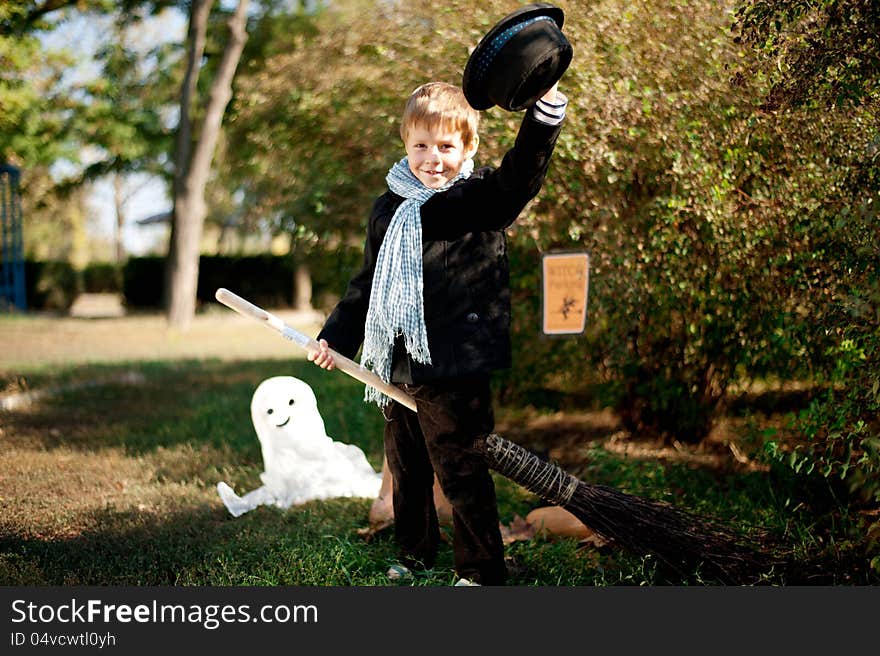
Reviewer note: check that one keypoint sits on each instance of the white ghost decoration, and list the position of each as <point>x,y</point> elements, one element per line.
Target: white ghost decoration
<point>301,462</point>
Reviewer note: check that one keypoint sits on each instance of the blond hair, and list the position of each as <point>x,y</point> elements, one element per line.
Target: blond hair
<point>438,104</point>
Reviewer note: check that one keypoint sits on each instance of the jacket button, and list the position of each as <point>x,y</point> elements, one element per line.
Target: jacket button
<point>473,317</point>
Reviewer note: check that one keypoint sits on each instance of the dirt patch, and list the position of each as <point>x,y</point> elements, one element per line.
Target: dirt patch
<point>92,306</point>
<point>50,494</point>
<point>562,436</point>
<point>567,438</point>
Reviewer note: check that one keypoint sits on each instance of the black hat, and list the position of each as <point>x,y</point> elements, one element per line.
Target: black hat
<point>518,60</point>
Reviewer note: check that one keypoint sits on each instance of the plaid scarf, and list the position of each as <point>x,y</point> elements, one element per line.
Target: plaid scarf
<point>396,297</point>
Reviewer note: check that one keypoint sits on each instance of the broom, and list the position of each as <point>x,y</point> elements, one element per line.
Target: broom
<point>683,541</point>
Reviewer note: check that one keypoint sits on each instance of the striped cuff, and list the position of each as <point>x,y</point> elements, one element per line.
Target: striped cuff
<point>550,113</point>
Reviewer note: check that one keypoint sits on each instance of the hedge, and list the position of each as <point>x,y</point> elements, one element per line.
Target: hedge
<point>267,280</point>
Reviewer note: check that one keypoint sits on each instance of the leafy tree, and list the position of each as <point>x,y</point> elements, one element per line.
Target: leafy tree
<point>27,16</point>
<point>194,152</point>
<point>124,116</point>
<point>814,53</point>
<point>49,117</point>
<point>37,128</point>
<point>822,61</point>
<point>55,222</point>
<point>33,113</point>
<point>125,123</point>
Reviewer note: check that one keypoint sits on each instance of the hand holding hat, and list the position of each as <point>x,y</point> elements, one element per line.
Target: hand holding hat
<point>518,60</point>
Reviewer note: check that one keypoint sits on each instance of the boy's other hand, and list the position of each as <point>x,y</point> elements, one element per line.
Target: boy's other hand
<point>322,356</point>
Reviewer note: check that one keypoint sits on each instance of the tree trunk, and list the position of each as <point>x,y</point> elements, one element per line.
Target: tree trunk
<point>119,206</point>
<point>193,160</point>
<point>302,287</point>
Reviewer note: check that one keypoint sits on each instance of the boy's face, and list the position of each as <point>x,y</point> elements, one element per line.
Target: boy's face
<point>435,155</point>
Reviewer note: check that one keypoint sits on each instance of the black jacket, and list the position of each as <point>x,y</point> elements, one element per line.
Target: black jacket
<point>465,269</point>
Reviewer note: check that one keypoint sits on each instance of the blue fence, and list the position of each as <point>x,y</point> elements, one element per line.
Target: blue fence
<point>12,294</point>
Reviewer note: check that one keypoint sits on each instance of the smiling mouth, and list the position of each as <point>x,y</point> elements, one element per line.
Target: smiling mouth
<point>283,423</point>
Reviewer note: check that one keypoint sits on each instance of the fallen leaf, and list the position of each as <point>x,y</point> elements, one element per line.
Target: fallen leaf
<point>555,520</point>
<point>518,529</point>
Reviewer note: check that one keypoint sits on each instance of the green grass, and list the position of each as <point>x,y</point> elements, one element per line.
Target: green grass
<point>114,483</point>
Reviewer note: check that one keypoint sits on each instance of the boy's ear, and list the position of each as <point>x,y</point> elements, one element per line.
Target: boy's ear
<point>472,149</point>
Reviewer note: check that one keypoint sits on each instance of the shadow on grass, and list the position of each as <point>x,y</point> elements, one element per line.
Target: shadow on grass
<point>314,544</point>
<point>199,402</point>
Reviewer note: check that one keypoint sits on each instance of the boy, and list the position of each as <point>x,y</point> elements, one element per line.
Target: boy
<point>431,306</point>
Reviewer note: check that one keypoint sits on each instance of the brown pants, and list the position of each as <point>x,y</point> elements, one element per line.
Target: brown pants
<point>439,438</point>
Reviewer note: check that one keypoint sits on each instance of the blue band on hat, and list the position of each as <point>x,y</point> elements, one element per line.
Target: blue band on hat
<point>482,64</point>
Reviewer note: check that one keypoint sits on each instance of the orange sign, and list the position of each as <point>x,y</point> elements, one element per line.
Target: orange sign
<point>566,279</point>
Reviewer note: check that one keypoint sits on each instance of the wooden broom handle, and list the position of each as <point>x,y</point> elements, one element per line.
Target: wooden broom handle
<point>346,365</point>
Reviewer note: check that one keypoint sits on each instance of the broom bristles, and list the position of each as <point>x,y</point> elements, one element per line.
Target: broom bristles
<point>680,539</point>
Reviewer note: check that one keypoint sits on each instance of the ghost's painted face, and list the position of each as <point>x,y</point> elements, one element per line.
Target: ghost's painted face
<point>272,414</point>
<point>282,402</point>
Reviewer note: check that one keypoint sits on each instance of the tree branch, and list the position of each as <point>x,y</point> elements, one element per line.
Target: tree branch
<point>198,29</point>
<point>47,7</point>
<point>219,95</point>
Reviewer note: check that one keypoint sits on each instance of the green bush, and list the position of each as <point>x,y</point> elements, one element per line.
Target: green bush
<point>266,280</point>
<point>51,285</point>
<point>142,281</point>
<point>840,432</point>
<point>102,277</point>
<point>331,273</point>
